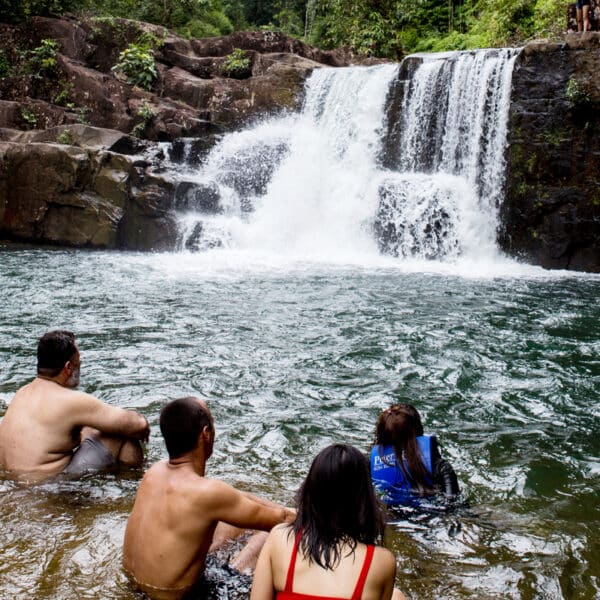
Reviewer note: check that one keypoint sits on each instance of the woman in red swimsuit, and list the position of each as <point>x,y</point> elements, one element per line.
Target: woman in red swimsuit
<point>329,551</point>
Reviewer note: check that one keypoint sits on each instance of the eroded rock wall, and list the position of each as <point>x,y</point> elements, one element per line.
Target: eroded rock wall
<point>69,173</point>
<point>551,214</point>
<point>83,196</point>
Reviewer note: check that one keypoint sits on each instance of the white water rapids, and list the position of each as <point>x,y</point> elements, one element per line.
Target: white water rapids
<point>310,186</point>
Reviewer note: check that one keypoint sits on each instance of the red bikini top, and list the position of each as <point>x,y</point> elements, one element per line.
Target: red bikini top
<point>288,594</point>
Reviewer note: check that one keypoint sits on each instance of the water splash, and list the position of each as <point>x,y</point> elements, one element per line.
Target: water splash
<point>454,121</point>
<point>311,186</point>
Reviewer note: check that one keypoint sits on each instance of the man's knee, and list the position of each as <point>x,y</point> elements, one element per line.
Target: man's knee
<point>125,451</point>
<point>131,454</point>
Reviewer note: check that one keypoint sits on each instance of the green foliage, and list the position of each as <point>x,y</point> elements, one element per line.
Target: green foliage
<point>386,28</point>
<point>41,61</point>
<point>29,118</point>
<point>149,40</point>
<point>83,115</point>
<point>62,97</point>
<point>15,11</point>
<point>66,138</point>
<point>369,27</point>
<point>576,94</point>
<point>235,62</point>
<point>5,65</point>
<point>136,63</point>
<point>146,113</point>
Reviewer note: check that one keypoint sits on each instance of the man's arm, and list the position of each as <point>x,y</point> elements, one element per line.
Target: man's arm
<point>112,420</point>
<point>244,511</point>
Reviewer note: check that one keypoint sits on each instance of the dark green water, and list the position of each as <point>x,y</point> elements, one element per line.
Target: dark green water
<point>505,370</point>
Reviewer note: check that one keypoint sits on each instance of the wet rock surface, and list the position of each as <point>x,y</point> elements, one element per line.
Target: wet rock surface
<point>551,214</point>
<point>70,170</point>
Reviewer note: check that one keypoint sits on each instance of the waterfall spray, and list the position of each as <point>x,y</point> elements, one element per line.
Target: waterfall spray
<point>312,186</point>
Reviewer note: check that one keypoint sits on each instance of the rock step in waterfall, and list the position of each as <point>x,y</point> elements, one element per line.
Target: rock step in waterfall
<point>404,160</point>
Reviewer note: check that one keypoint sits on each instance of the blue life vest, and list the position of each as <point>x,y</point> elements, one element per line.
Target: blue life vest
<point>388,478</point>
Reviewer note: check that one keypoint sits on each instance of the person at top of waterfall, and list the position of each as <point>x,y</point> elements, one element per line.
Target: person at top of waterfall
<point>50,427</point>
<point>582,8</point>
<point>406,465</point>
<point>180,516</point>
<point>330,550</point>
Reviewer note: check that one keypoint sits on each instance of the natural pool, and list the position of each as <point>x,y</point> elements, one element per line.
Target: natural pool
<point>504,367</point>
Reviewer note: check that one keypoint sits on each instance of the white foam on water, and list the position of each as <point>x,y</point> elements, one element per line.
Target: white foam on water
<point>307,191</point>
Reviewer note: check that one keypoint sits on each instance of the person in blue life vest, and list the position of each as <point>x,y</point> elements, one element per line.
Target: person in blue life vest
<point>406,465</point>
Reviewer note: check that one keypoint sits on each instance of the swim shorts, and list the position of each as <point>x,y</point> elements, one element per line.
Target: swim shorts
<point>92,455</point>
<point>581,3</point>
<point>220,582</point>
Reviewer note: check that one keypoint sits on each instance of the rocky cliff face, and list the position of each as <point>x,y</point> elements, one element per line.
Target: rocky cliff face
<point>551,215</point>
<point>77,178</point>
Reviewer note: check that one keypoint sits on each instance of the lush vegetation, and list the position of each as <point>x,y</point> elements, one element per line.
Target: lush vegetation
<point>371,27</point>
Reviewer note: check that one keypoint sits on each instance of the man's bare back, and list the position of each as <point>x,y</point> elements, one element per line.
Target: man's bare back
<point>47,419</point>
<point>179,515</point>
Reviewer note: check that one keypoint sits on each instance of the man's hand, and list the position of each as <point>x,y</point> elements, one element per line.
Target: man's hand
<point>145,434</point>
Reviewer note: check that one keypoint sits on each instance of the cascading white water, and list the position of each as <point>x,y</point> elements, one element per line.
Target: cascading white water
<point>311,186</point>
<point>454,122</point>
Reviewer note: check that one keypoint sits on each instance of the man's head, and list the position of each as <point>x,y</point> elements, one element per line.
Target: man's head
<point>56,351</point>
<point>182,421</point>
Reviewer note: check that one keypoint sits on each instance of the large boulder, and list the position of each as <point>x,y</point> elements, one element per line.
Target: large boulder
<point>83,197</point>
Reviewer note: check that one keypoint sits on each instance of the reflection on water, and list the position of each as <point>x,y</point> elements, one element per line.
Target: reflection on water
<point>505,370</point>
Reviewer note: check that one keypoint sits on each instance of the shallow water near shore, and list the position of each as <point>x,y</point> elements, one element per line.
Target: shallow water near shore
<point>501,360</point>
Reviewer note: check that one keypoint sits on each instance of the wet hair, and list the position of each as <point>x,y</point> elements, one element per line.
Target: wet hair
<point>399,426</point>
<point>54,350</point>
<point>337,505</point>
<point>181,422</point>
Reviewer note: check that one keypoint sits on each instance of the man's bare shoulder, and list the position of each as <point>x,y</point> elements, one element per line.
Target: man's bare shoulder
<point>212,492</point>
<point>44,389</point>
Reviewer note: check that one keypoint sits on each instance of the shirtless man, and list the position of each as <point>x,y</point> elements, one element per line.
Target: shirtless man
<point>179,515</point>
<point>50,428</point>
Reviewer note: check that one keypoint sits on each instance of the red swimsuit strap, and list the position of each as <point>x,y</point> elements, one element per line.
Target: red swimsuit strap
<point>289,582</point>
<point>360,584</point>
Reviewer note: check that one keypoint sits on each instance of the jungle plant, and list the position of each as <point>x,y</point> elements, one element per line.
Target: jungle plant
<point>136,63</point>
<point>576,94</point>
<point>62,98</point>
<point>66,138</point>
<point>151,41</point>
<point>236,62</point>
<point>147,114</point>
<point>83,115</point>
<point>42,60</point>
<point>29,118</point>
<point>5,66</point>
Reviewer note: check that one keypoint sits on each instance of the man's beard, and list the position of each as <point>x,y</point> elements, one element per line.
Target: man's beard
<point>73,380</point>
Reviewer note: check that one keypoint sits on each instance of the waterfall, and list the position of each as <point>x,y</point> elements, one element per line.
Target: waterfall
<point>453,125</point>
<point>316,185</point>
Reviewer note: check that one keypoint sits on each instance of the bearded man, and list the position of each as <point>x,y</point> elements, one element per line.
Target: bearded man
<point>50,427</point>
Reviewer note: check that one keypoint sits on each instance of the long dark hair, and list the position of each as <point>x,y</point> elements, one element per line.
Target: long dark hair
<point>399,426</point>
<point>336,505</point>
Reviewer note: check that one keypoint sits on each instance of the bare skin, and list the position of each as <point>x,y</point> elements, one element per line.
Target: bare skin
<point>180,515</point>
<point>47,419</point>
<point>583,18</point>
<point>309,578</point>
